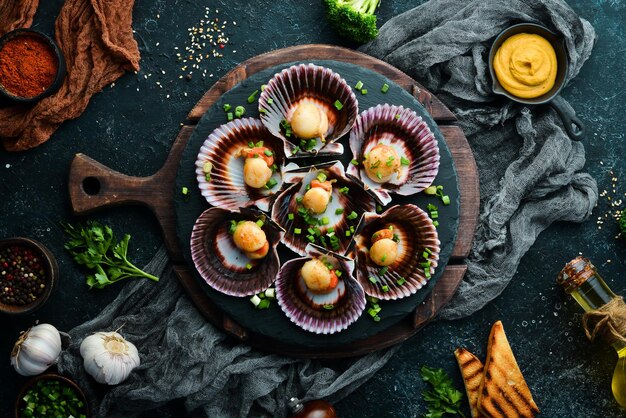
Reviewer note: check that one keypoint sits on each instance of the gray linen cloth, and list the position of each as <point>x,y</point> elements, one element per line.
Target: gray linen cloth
<point>530,177</point>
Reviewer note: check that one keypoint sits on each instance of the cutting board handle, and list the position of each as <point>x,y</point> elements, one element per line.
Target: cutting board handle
<point>93,186</point>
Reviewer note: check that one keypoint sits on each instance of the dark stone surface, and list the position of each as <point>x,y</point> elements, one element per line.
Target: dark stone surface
<point>130,128</point>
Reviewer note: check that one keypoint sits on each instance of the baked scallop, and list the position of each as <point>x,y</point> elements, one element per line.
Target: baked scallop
<point>235,251</point>
<point>320,205</point>
<point>318,292</point>
<point>396,252</point>
<point>240,164</point>
<point>309,107</point>
<point>394,151</point>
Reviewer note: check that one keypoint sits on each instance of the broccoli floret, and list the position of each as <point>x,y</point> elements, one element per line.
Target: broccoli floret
<point>353,19</point>
<point>622,224</point>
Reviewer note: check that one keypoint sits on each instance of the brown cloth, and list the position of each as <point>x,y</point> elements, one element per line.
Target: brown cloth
<point>16,14</point>
<point>97,41</point>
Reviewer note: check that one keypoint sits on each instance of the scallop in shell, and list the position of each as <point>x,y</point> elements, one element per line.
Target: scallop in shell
<point>320,312</point>
<point>396,152</point>
<point>331,228</point>
<point>222,264</point>
<point>315,98</point>
<point>222,167</point>
<point>416,252</point>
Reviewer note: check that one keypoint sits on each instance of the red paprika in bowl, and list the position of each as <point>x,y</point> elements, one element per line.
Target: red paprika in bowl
<point>31,66</point>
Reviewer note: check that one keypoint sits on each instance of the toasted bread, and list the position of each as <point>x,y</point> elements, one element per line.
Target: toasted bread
<point>503,390</point>
<point>472,372</point>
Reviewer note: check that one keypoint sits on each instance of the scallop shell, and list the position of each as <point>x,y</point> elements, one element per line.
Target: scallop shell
<point>306,309</point>
<point>308,83</point>
<point>224,266</point>
<point>227,188</point>
<point>409,135</point>
<point>355,200</point>
<point>416,233</point>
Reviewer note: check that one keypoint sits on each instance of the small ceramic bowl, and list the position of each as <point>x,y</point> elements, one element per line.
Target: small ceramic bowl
<point>60,73</point>
<point>573,125</point>
<point>20,403</point>
<point>50,266</point>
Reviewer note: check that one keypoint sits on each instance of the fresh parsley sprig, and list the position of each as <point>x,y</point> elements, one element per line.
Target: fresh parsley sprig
<point>443,398</point>
<point>94,247</point>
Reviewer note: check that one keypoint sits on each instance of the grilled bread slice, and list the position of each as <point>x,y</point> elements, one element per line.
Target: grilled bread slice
<point>503,390</point>
<point>472,372</point>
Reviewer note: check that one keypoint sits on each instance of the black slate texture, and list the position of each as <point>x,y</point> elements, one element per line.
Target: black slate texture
<point>130,128</point>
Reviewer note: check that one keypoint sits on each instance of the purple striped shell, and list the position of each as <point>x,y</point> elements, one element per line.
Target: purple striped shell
<point>325,313</point>
<point>353,199</point>
<point>411,138</point>
<point>226,187</point>
<point>416,233</point>
<point>316,85</point>
<point>225,267</point>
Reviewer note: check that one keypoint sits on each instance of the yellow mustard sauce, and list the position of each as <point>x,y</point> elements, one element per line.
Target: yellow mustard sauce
<point>525,65</point>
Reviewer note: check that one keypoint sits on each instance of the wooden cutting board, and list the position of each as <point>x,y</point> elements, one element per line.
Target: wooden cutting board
<point>94,186</point>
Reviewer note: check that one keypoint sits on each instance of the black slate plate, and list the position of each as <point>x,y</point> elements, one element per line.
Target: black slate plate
<point>272,322</point>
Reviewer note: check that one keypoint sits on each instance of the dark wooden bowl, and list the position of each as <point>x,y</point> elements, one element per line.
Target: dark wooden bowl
<point>61,66</point>
<point>52,274</point>
<point>19,402</point>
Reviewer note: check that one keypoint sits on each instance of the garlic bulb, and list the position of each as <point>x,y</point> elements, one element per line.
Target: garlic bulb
<point>108,357</point>
<point>36,350</point>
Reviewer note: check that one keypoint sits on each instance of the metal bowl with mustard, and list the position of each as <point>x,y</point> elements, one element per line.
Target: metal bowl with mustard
<point>574,127</point>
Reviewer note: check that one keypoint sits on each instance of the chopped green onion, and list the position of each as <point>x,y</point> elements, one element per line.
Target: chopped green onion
<point>268,153</point>
<point>229,116</point>
<point>400,281</point>
<point>427,274</point>
<point>207,177</point>
<point>338,273</point>
<point>348,233</point>
<point>380,176</point>
<point>430,190</point>
<point>353,215</point>
<point>430,207</point>
<point>270,293</point>
<point>375,165</point>
<point>185,191</point>
<point>354,162</point>
<point>299,199</point>
<point>232,227</point>
<point>379,208</point>
<point>259,144</point>
<point>329,307</point>
<point>325,221</point>
<point>338,211</point>
<point>264,304</point>
<point>383,270</point>
<point>263,87</point>
<point>338,105</point>
<point>383,258</point>
<point>271,183</point>
<point>290,217</point>
<point>396,238</point>
<point>385,288</point>
<point>297,231</point>
<point>384,88</point>
<point>425,264</point>
<point>251,144</point>
<point>207,167</point>
<point>311,238</point>
<point>373,279</point>
<point>227,107</point>
<point>405,161</point>
<point>436,224</point>
<point>389,162</point>
<point>358,85</point>
<point>270,101</point>
<point>344,190</point>
<point>252,97</point>
<point>445,199</point>
<point>249,266</point>
<point>239,111</point>
<point>434,214</point>
<point>321,177</point>
<point>260,223</point>
<point>364,92</point>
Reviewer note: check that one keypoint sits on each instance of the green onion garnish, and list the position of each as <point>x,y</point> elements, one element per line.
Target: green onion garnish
<point>260,223</point>
<point>252,97</point>
<point>364,92</point>
<point>311,238</point>
<point>299,199</point>
<point>385,288</point>
<point>321,177</point>
<point>338,105</point>
<point>348,233</point>
<point>297,231</point>
<point>227,107</point>
<point>373,279</point>
<point>384,88</point>
<point>445,199</point>
<point>263,87</point>
<point>185,191</point>
<point>268,153</point>
<point>344,190</point>
<point>229,116</point>
<point>207,177</point>
<point>430,190</point>
<point>291,217</point>
<point>383,258</point>
<point>259,144</point>
<point>404,161</point>
<point>358,85</point>
<point>249,266</point>
<point>271,183</point>
<point>338,211</point>
<point>354,162</point>
<point>270,101</point>
<point>380,176</point>
<point>232,227</point>
<point>434,214</point>
<point>329,307</point>
<point>325,221</point>
<point>401,281</point>
<point>383,270</point>
<point>239,111</point>
<point>353,215</point>
<point>436,223</point>
<point>379,208</point>
<point>338,273</point>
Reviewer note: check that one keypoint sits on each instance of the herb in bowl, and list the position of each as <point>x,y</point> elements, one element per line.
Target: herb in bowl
<point>52,398</point>
<point>94,247</point>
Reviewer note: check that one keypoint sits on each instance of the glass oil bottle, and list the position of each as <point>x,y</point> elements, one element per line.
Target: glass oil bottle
<point>580,279</point>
